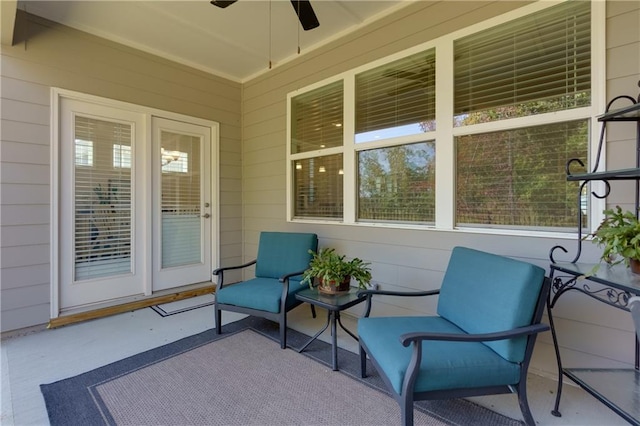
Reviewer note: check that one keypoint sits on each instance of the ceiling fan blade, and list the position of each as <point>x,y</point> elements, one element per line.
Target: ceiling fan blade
<point>306,15</point>
<point>223,3</point>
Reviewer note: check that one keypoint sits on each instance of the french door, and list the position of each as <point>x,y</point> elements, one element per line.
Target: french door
<point>181,204</point>
<point>135,207</point>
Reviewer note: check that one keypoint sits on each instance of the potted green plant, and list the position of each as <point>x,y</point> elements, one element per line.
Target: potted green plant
<point>619,234</point>
<point>332,272</point>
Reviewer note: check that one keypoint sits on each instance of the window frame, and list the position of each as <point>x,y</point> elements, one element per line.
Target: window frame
<point>445,131</point>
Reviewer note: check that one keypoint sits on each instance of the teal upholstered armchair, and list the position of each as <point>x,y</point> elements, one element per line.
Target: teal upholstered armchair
<point>479,343</point>
<point>281,259</point>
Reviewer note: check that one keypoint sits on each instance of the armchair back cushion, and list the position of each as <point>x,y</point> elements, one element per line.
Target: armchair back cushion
<point>498,294</point>
<point>281,253</point>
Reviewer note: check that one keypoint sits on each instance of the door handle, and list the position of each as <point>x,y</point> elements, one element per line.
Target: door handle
<point>206,215</point>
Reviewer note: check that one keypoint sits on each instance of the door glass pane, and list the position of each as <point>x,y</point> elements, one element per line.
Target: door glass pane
<point>102,199</point>
<point>180,205</point>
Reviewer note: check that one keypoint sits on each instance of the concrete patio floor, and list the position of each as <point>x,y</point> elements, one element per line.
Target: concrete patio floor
<point>38,356</point>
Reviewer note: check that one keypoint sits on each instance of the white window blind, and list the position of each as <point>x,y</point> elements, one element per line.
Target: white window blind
<point>536,64</point>
<point>397,98</point>
<point>317,119</point>
<point>102,195</point>
<point>181,211</point>
<point>318,187</point>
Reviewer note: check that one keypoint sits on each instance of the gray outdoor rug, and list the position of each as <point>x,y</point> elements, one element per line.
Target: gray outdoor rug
<point>242,377</point>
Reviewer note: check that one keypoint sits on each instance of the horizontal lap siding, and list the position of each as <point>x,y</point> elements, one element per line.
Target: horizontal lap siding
<point>24,205</point>
<point>623,69</point>
<point>416,259</point>
<point>58,56</point>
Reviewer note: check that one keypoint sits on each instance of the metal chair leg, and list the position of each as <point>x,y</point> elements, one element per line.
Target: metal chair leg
<point>524,405</point>
<point>218,319</point>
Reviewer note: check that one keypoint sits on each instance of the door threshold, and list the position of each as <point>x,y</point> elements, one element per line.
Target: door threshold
<point>129,306</point>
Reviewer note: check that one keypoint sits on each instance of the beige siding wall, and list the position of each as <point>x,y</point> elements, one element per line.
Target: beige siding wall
<point>623,67</point>
<point>590,332</point>
<point>56,56</point>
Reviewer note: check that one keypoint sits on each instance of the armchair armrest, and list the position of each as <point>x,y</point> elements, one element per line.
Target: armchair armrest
<point>370,293</point>
<point>398,293</point>
<point>416,338</point>
<point>287,276</point>
<point>228,268</point>
<point>285,289</point>
<point>407,338</point>
<point>219,272</point>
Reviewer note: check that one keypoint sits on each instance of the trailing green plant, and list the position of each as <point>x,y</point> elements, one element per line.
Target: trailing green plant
<point>619,234</point>
<point>329,266</point>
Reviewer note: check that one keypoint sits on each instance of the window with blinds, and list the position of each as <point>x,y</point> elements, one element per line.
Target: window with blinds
<point>318,187</point>
<point>500,133</point>
<point>396,99</point>
<point>317,119</point>
<point>102,197</point>
<point>397,184</point>
<point>536,64</point>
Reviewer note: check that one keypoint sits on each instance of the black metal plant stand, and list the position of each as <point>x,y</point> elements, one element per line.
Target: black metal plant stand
<point>618,389</point>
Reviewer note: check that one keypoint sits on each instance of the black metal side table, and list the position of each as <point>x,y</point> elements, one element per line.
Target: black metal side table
<point>334,304</point>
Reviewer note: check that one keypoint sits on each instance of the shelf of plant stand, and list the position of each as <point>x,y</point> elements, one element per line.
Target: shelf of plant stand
<point>614,387</point>
<point>629,113</point>
<point>622,174</point>
<point>620,385</point>
<point>618,276</point>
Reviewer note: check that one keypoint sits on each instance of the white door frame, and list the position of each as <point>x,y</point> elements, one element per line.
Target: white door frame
<point>56,95</point>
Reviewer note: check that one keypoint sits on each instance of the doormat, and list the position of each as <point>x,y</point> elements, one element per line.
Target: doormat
<point>180,306</point>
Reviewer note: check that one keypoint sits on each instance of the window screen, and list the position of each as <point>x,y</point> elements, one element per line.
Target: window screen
<point>397,183</point>
<point>517,178</point>
<point>318,187</point>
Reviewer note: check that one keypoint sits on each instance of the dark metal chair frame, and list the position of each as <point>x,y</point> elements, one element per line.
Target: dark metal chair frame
<point>280,317</point>
<point>407,396</point>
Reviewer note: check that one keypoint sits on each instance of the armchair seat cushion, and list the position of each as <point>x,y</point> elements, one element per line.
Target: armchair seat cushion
<point>263,294</point>
<point>445,365</point>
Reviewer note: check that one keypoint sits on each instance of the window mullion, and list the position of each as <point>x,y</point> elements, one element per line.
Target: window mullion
<point>445,150</point>
<point>349,162</point>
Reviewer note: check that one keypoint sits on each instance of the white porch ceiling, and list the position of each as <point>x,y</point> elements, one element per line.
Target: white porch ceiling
<point>236,43</point>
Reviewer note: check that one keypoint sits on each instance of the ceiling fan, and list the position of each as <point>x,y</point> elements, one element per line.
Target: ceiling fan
<point>306,15</point>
